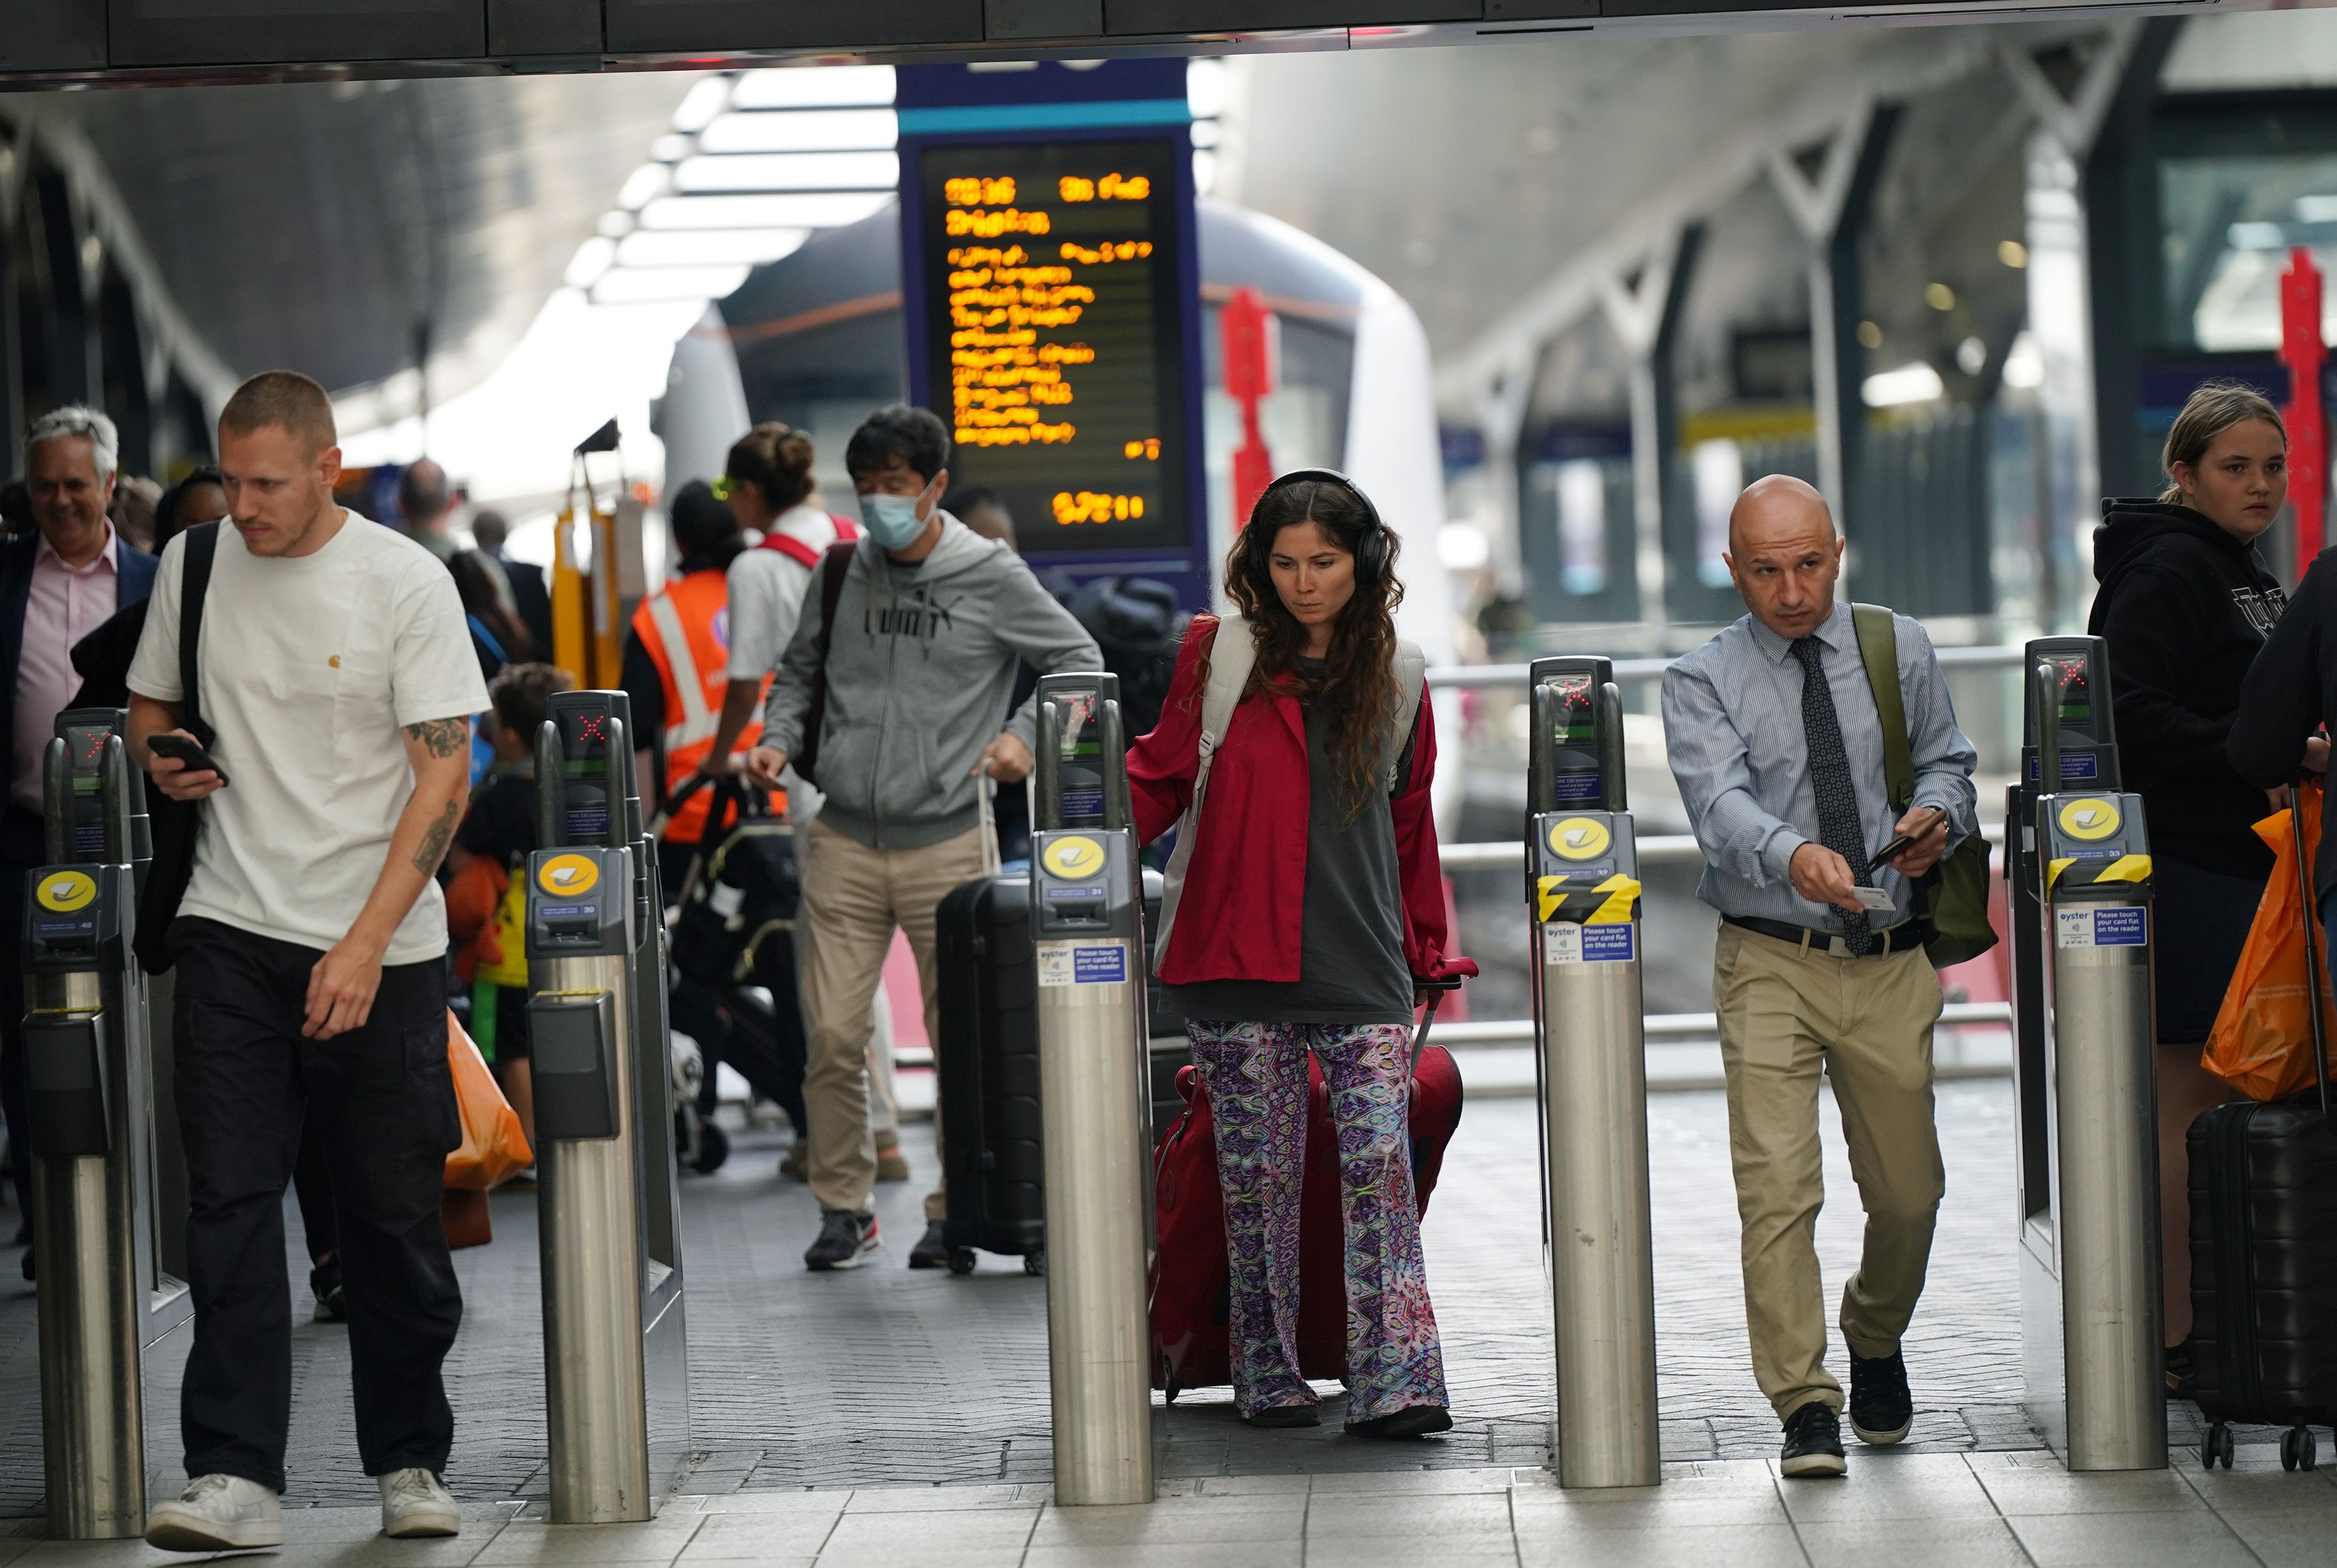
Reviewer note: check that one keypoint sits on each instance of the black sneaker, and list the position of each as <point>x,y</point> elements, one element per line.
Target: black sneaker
<point>1881,1409</point>
<point>1813,1442</point>
<point>2182,1372</point>
<point>325,1284</point>
<point>931,1250</point>
<point>845,1239</point>
<point>1412,1421</point>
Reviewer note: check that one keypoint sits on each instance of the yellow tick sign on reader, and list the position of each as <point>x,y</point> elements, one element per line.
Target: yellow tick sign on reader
<point>1074,859</point>
<point>66,891</point>
<point>566,876</point>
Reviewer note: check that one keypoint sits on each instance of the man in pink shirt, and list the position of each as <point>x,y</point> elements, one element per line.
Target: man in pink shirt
<point>57,584</point>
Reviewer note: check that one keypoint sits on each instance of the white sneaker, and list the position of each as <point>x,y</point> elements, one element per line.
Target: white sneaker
<point>217,1514</point>
<point>416,1503</point>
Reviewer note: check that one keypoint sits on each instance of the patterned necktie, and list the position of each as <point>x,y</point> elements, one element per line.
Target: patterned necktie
<point>1838,825</point>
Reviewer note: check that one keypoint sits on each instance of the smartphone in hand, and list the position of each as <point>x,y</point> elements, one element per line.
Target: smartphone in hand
<point>188,751</point>
<point>1904,842</point>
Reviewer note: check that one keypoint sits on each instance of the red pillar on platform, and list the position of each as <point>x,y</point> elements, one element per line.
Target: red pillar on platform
<point>1243,327</point>
<point>2301,349</point>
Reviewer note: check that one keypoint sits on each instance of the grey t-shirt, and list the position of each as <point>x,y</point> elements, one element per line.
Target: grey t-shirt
<point>1351,966</point>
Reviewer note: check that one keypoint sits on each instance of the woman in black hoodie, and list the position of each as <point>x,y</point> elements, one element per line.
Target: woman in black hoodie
<point>2185,603</point>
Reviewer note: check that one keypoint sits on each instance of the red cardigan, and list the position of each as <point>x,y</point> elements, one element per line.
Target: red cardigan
<point>1245,898</point>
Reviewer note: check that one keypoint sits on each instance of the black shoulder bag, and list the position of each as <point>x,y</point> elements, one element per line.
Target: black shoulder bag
<point>833,569</point>
<point>177,823</point>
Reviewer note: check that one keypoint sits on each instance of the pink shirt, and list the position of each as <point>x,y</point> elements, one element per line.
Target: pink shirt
<point>66,605</point>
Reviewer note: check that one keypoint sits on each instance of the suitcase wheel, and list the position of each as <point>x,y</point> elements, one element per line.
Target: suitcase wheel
<point>1169,1386</point>
<point>961,1260</point>
<point>2217,1445</point>
<point>1035,1263</point>
<point>713,1149</point>
<point>2297,1449</point>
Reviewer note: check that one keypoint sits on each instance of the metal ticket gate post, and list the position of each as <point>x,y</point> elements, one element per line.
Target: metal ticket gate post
<point>105,1225</point>
<point>616,1359</point>
<point>1590,1068</point>
<point>2079,869</point>
<point>1094,1093</point>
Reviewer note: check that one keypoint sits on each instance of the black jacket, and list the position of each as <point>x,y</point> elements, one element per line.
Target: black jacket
<point>2186,608</point>
<point>2290,690</point>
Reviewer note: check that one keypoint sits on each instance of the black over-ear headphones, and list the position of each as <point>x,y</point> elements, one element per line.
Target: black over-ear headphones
<point>1371,550</point>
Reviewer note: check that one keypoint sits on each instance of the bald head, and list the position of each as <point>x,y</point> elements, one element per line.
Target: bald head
<point>1784,555</point>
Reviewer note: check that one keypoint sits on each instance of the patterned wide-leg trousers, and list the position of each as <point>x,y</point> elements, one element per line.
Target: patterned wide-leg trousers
<point>1256,1074</point>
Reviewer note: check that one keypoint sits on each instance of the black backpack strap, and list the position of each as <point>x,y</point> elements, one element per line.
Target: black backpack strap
<point>201,549</point>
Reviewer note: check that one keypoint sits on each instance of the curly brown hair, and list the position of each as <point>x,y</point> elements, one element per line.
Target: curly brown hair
<point>1358,675</point>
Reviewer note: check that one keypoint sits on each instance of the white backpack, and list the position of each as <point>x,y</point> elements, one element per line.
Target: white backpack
<point>1231,658</point>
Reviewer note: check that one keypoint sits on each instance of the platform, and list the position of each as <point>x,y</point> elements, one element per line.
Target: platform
<point>825,1406</point>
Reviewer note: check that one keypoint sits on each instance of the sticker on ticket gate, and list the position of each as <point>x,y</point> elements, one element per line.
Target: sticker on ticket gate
<point>2120,927</point>
<point>1082,962</point>
<point>1563,941</point>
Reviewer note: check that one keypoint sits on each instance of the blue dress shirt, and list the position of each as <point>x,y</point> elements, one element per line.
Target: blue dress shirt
<point>1733,729</point>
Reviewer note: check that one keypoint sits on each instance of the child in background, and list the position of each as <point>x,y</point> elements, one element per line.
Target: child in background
<point>488,864</point>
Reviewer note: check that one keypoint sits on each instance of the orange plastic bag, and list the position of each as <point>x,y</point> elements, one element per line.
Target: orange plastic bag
<point>494,1147</point>
<point>2261,1045</point>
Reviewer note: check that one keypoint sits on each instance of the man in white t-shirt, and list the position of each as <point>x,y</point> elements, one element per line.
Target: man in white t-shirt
<point>335,667</point>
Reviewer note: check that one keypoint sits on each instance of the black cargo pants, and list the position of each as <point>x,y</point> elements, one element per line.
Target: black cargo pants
<point>380,1101</point>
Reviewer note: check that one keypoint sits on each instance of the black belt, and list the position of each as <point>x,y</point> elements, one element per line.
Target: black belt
<point>1899,938</point>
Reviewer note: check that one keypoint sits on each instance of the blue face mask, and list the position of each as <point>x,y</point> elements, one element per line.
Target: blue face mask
<point>891,520</point>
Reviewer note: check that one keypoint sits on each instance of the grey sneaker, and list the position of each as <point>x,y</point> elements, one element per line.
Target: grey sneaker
<point>414,1503</point>
<point>217,1514</point>
<point>844,1239</point>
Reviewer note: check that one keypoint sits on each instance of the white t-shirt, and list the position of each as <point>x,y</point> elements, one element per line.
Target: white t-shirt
<point>766,592</point>
<point>309,667</point>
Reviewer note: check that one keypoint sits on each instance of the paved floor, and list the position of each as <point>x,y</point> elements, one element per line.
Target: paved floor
<point>821,1403</point>
<point>1911,1510</point>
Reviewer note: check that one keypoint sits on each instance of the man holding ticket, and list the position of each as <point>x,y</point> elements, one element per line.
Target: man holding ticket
<point>1777,739</point>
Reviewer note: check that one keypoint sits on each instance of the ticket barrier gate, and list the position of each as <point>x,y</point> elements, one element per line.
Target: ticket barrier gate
<point>2078,868</point>
<point>1094,1094</point>
<point>615,1352</point>
<point>108,1183</point>
<point>1591,1072</point>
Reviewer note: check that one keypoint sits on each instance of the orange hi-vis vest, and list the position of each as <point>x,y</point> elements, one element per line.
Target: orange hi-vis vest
<point>685,629</point>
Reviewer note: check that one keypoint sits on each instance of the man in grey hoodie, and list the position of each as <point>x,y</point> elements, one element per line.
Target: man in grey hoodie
<point>933,620</point>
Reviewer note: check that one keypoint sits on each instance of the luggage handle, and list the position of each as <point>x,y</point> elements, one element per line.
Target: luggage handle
<point>1436,990</point>
<point>2313,976</point>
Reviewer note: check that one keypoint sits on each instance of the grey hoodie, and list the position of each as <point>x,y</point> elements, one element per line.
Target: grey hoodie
<point>918,675</point>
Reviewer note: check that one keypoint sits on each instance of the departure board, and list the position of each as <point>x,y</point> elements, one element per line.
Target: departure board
<point>1052,335</point>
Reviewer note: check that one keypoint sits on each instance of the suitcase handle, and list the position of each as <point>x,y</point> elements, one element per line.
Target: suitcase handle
<point>2314,974</point>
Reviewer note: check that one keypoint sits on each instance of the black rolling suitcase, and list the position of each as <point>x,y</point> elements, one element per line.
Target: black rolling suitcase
<point>986,1068</point>
<point>2264,1255</point>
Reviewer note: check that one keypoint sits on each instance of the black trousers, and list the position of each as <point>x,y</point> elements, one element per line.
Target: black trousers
<point>379,1103</point>
<point>23,849</point>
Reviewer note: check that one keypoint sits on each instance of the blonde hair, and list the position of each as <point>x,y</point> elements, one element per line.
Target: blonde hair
<point>286,399</point>
<point>2215,407</point>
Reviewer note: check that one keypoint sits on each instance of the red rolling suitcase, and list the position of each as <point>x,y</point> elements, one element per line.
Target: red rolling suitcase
<point>1190,1290</point>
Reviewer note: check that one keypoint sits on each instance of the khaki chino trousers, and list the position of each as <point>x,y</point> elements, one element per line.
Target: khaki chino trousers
<point>1786,1013</point>
<point>853,899</point>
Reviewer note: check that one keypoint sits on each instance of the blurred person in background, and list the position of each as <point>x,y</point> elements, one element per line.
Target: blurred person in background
<point>102,658</point>
<point>980,509</point>
<point>426,501</point>
<point>916,662</point>
<point>531,601</point>
<point>496,635</point>
<point>58,584</point>
<point>131,511</point>
<point>767,481</point>
<point>15,508</point>
<point>2185,603</point>
<point>487,892</point>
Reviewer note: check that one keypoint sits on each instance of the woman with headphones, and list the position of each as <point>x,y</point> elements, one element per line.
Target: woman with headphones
<point>1306,908</point>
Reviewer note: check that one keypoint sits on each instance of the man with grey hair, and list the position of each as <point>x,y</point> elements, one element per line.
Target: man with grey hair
<point>57,584</point>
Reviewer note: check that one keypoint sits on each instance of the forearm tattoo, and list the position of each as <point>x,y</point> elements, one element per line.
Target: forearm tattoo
<point>435,840</point>
<point>444,737</point>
